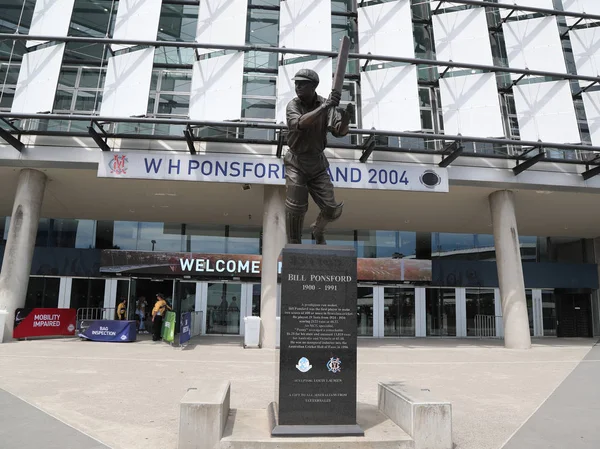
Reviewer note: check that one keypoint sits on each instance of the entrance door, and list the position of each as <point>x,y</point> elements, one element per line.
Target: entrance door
<point>223,308</point>
<point>398,312</point>
<point>144,291</point>
<point>573,315</point>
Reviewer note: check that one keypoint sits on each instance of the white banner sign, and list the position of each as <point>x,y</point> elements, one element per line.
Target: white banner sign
<point>262,170</point>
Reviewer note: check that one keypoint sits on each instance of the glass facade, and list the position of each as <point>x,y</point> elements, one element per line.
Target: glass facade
<point>83,71</point>
<point>42,292</point>
<point>233,239</point>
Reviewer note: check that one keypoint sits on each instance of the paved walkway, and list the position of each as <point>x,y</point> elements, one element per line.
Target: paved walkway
<point>127,395</point>
<point>26,427</point>
<point>570,417</point>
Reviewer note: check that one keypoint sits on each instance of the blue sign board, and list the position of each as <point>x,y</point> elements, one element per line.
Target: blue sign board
<point>186,327</point>
<point>109,330</point>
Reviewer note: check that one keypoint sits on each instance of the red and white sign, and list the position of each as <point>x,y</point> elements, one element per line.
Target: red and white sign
<point>44,322</point>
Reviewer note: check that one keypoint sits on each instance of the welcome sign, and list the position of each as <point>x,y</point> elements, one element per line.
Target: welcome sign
<point>246,169</point>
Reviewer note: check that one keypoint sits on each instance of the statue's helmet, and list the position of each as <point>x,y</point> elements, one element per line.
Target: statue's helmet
<point>306,75</point>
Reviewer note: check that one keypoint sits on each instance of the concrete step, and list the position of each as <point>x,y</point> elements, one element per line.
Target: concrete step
<point>249,429</point>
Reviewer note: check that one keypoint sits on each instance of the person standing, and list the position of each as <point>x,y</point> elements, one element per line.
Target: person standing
<point>122,309</point>
<point>158,312</point>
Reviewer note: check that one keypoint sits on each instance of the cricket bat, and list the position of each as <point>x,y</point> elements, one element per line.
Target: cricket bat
<point>340,70</point>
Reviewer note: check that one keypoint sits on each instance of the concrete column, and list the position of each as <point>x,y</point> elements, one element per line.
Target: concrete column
<point>18,254</point>
<point>510,270</point>
<point>274,239</point>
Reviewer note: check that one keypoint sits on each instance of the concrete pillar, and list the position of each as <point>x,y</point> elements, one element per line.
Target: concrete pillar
<point>510,270</point>
<point>274,239</point>
<point>18,254</point>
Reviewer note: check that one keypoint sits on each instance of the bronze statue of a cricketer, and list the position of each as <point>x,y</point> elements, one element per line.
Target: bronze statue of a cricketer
<point>309,118</point>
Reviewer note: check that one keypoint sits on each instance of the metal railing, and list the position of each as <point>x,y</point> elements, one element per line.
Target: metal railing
<point>94,313</point>
<point>485,325</point>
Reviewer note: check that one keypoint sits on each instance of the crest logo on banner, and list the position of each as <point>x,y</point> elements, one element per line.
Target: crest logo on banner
<point>117,165</point>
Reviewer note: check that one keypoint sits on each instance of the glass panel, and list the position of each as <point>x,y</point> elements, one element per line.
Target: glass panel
<point>480,302</point>
<point>42,232</point>
<point>386,244</point>
<point>180,81</point>
<point>364,313</point>
<point>35,293</point>
<point>399,312</point>
<point>125,235</point>
<point>260,86</point>
<point>67,233</point>
<point>263,27</point>
<point>255,108</point>
<point>87,293</point>
<point>88,101</point>
<point>173,104</point>
<point>159,237</point>
<point>205,238</point>
<point>256,300</point>
<point>63,100</point>
<point>223,308</point>
<point>441,311</point>
<point>549,312</point>
<point>243,240</point>
<point>92,78</point>
<point>188,296</point>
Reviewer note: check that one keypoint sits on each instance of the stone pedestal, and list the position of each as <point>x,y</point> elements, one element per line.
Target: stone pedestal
<point>316,389</point>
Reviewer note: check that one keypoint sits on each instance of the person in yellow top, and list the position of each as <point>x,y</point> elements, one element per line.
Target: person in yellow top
<point>122,309</point>
<point>158,312</point>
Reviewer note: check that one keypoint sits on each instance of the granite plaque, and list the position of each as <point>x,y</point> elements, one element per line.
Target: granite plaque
<point>317,358</point>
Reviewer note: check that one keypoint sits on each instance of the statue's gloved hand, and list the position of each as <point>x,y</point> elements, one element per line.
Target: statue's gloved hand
<point>350,111</point>
<point>333,100</point>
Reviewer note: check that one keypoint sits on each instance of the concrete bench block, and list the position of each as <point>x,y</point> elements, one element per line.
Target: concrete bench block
<point>426,420</point>
<point>203,415</point>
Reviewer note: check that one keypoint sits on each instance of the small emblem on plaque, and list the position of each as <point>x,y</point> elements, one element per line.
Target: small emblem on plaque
<point>303,365</point>
<point>334,365</point>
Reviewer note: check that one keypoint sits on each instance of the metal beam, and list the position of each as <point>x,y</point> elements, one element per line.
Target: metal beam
<point>528,163</point>
<point>451,153</point>
<point>550,12</point>
<point>282,50</point>
<point>590,172</point>
<point>101,143</point>
<point>263,125</point>
<point>189,138</point>
<point>367,148</point>
<point>11,140</point>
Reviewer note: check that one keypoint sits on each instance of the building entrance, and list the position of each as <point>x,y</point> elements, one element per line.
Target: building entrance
<point>142,298</point>
<point>573,314</point>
